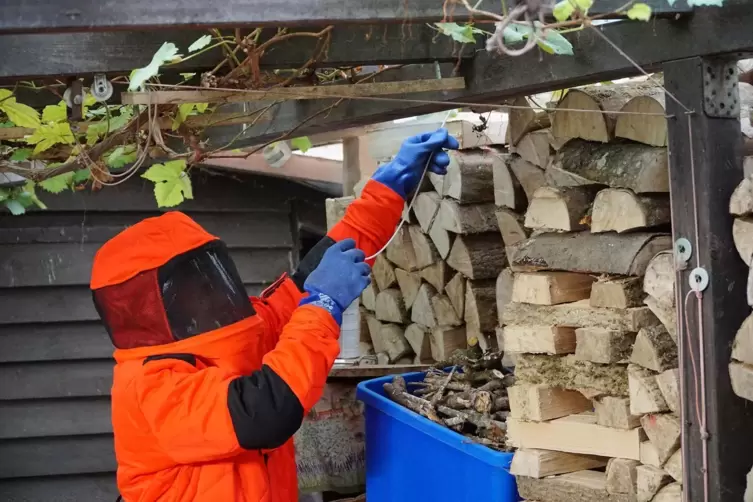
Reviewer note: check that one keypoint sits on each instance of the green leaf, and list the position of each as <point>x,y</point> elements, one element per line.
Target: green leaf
<point>516,33</point>
<point>7,124</point>
<point>171,182</point>
<point>563,10</point>
<point>303,144</point>
<point>98,129</point>
<point>81,175</point>
<point>29,195</point>
<point>48,135</point>
<point>168,52</point>
<point>584,5</point>
<point>55,113</point>
<point>202,107</point>
<point>463,34</point>
<point>639,12</point>
<point>121,156</point>
<point>704,3</point>
<point>555,43</point>
<point>21,154</point>
<point>20,114</point>
<point>57,183</point>
<point>200,43</point>
<point>4,194</point>
<point>15,207</point>
<point>187,76</point>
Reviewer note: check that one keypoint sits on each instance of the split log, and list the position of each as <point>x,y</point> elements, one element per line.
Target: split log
<point>542,463</point>
<point>645,396</point>
<point>659,281</point>
<point>741,375</point>
<point>617,293</point>
<point>551,288</point>
<point>420,341</point>
<point>603,346</point>
<point>578,315</point>
<point>444,311</point>
<point>742,234</point>
<point>437,181</point>
<point>400,250</point>
<point>640,168</point>
<point>649,481</point>
<point>673,466</point>
<point>425,209</point>
<point>663,430</point>
<point>649,455</point>
<point>382,358</point>
<point>469,176</point>
<point>539,339</point>
<point>522,119</point>
<point>507,189</point>
<point>390,306</point>
<point>640,122</point>
<point>568,372</point>
<point>749,286</point>
<point>617,254</point>
<point>671,493</point>
<point>622,476</point>
<point>467,219</point>
<point>742,347</point>
<point>423,310</point>
<point>654,349</point>
<point>511,226</point>
<point>478,256</point>
<point>368,297</point>
<point>534,148</point>
<point>366,348</point>
<point>503,287</point>
<point>741,202</point>
<point>480,306</point>
<point>666,314</point>
<point>442,240</point>
<point>529,176</point>
<point>621,210</point>
<point>563,209</point>
<point>393,338</point>
<point>583,486</point>
<point>364,335</point>
<point>615,412</point>
<point>437,275</point>
<point>575,434</point>
<point>335,209</point>
<point>455,290</point>
<point>445,341</point>
<point>375,330</point>
<point>424,251</point>
<point>409,283</point>
<point>383,272</point>
<point>541,402</point>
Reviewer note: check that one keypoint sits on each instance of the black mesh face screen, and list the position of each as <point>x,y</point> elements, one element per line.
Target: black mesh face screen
<point>202,291</point>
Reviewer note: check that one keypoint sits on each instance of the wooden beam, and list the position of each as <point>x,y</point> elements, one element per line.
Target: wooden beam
<point>297,167</point>
<point>714,148</point>
<point>607,7</point>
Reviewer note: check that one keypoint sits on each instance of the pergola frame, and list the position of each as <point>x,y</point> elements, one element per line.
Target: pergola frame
<point>692,47</point>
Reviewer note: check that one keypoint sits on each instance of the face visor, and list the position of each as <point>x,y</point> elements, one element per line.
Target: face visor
<point>196,292</point>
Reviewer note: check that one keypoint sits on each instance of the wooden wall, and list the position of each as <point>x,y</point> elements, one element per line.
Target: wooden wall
<point>56,358</point>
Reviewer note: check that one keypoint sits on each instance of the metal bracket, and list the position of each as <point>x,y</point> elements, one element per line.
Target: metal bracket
<point>721,97</point>
<point>683,252</point>
<point>101,88</point>
<point>698,279</point>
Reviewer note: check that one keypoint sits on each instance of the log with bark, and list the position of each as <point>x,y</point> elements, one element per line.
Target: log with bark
<point>560,209</point>
<point>522,119</point>
<point>425,209</point>
<point>467,219</point>
<point>551,288</point>
<point>741,202</point>
<point>617,293</point>
<point>409,282</point>
<point>424,251</point>
<point>530,176</point>
<point>534,148</point>
<point>469,177</point>
<point>642,120</point>
<point>507,190</point>
<point>621,210</point>
<point>400,251</point>
<point>478,256</point>
<point>511,226</point>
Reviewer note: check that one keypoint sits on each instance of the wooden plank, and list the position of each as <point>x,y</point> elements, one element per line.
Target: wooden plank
<point>542,463</point>
<point>608,8</point>
<point>57,456</point>
<point>58,304</point>
<point>54,342</point>
<point>715,149</point>
<point>89,487</point>
<point>55,379</point>
<point>25,265</point>
<point>55,417</point>
<point>575,434</point>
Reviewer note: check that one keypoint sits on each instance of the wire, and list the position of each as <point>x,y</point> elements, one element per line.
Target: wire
<point>415,195</point>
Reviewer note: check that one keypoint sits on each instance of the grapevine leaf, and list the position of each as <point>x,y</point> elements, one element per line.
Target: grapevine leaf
<point>202,107</point>
<point>15,207</point>
<point>20,114</point>
<point>81,175</point>
<point>563,10</point>
<point>516,33</point>
<point>48,135</point>
<point>200,43</point>
<point>302,143</point>
<point>463,34</point>
<point>584,5</point>
<point>99,129</point>
<point>555,43</point>
<point>58,183</point>
<point>29,195</point>
<point>4,194</point>
<point>21,154</point>
<point>184,111</point>
<point>7,124</point>
<point>168,52</point>
<point>171,183</point>
<point>121,156</point>
<point>55,113</point>
<point>705,3</point>
<point>187,76</point>
<point>639,12</point>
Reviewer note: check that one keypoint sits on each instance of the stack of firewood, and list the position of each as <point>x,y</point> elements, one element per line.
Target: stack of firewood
<point>590,315</point>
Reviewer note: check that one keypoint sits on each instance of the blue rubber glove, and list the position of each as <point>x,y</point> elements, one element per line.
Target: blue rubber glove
<point>338,280</point>
<point>403,173</point>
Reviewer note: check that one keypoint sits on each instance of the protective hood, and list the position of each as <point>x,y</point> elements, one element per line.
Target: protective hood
<point>166,279</point>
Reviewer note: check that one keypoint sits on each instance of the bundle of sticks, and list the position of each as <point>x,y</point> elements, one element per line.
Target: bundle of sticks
<point>470,397</point>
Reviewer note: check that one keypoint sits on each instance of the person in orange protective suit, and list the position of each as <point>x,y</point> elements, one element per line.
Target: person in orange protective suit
<point>209,385</point>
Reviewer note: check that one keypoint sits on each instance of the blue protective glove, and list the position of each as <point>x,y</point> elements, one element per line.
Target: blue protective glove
<point>338,280</point>
<point>403,173</point>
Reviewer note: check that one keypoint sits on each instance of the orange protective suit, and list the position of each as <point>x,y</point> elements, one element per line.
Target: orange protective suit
<point>211,417</point>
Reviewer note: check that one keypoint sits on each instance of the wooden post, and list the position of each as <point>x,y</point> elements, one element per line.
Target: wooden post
<point>715,149</point>
<point>351,165</point>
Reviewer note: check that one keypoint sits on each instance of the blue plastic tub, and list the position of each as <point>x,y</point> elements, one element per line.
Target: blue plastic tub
<point>411,459</point>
